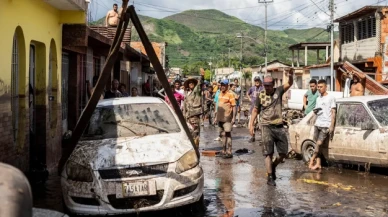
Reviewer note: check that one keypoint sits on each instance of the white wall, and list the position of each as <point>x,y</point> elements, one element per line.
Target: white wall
<point>360,49</point>
<point>321,73</point>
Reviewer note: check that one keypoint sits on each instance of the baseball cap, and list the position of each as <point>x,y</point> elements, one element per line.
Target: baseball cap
<point>225,81</point>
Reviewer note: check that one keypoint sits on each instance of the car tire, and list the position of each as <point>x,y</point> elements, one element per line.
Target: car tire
<point>308,149</point>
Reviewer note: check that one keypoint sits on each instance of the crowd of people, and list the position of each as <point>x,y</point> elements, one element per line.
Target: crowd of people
<point>220,103</point>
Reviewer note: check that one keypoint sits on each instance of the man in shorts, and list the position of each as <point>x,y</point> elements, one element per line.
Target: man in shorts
<point>252,94</point>
<point>269,106</point>
<point>324,124</point>
<point>226,114</point>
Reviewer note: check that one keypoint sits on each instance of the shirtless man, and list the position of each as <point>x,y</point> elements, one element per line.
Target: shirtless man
<point>358,86</point>
<point>112,17</point>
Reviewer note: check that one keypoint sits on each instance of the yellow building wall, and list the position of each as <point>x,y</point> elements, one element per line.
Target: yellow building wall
<point>40,24</point>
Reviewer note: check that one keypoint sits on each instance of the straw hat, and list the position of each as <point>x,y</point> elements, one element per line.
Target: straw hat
<point>190,80</point>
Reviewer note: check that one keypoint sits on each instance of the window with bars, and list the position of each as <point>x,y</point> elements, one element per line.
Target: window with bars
<point>366,28</point>
<point>347,33</point>
<point>14,87</point>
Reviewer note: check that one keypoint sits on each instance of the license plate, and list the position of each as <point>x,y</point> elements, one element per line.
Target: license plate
<point>136,189</point>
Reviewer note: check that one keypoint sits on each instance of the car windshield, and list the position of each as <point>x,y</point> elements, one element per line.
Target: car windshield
<point>379,109</point>
<point>128,120</point>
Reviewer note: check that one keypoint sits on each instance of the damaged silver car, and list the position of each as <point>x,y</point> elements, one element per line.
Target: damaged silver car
<point>360,134</point>
<point>134,156</point>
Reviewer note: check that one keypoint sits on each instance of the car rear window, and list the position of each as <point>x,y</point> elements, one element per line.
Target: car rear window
<point>379,109</point>
<point>131,120</point>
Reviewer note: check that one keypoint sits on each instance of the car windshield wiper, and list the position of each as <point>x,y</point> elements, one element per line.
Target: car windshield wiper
<point>147,125</point>
<point>118,123</point>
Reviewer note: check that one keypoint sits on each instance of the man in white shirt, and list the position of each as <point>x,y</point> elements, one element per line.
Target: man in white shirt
<point>325,111</point>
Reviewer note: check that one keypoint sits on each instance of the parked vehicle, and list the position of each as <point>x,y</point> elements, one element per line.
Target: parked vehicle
<point>360,134</point>
<point>295,98</point>
<point>133,157</point>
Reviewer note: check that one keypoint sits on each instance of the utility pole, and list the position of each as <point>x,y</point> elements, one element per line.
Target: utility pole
<point>229,57</point>
<point>331,7</point>
<point>265,2</point>
<point>241,56</point>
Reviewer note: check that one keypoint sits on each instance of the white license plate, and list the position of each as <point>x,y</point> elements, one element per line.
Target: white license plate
<point>135,189</point>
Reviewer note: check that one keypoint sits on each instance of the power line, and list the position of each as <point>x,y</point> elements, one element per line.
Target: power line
<point>319,8</point>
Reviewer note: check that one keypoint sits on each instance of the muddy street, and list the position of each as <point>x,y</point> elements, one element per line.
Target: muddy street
<point>237,187</point>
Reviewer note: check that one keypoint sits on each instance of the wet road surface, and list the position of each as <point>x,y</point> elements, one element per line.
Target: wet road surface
<point>237,187</point>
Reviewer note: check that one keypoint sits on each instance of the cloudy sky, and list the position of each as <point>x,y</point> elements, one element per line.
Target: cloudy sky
<point>282,14</point>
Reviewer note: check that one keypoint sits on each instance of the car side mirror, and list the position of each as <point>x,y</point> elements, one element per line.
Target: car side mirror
<point>368,126</point>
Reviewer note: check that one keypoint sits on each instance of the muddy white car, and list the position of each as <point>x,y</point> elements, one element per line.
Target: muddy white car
<point>360,135</point>
<point>133,157</point>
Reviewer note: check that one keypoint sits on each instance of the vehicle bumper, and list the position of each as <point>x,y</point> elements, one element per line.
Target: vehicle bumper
<point>99,191</point>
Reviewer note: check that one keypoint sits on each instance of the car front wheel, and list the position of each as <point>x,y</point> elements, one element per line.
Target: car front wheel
<point>308,149</point>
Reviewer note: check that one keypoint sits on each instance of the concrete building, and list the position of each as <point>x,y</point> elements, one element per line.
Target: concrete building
<point>274,68</point>
<point>363,41</point>
<point>83,57</point>
<point>222,73</point>
<point>30,79</point>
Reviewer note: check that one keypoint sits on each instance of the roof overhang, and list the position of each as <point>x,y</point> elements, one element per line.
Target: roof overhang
<point>68,5</point>
<point>310,46</point>
<point>360,13</point>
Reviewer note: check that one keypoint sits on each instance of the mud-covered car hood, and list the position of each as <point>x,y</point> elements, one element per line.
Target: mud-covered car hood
<point>128,151</point>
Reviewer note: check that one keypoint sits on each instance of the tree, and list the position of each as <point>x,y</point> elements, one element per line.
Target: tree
<point>208,74</point>
<point>246,75</point>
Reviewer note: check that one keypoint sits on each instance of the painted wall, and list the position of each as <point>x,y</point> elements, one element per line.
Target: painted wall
<point>40,24</point>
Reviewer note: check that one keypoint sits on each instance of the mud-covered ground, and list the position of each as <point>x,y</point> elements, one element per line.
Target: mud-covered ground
<point>237,187</point>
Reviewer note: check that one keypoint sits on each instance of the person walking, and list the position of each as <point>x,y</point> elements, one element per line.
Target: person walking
<point>216,97</point>
<point>252,95</point>
<point>193,106</point>
<point>269,105</point>
<point>178,97</point>
<point>226,117</point>
<point>324,123</point>
<point>114,90</point>
<point>310,97</point>
<point>134,92</point>
<point>123,90</point>
<point>232,89</point>
<point>238,91</point>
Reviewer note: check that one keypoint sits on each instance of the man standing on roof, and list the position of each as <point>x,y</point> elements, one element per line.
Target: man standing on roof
<point>269,105</point>
<point>193,106</point>
<point>112,17</point>
<point>252,94</point>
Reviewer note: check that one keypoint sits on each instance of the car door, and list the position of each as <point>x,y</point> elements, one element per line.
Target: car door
<point>352,143</point>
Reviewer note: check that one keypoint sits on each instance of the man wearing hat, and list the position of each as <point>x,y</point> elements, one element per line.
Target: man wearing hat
<point>269,106</point>
<point>226,115</point>
<point>193,106</point>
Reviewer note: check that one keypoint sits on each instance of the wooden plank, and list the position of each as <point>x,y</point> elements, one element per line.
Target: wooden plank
<point>99,88</point>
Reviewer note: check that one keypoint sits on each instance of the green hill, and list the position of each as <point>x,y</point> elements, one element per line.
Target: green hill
<point>196,37</point>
